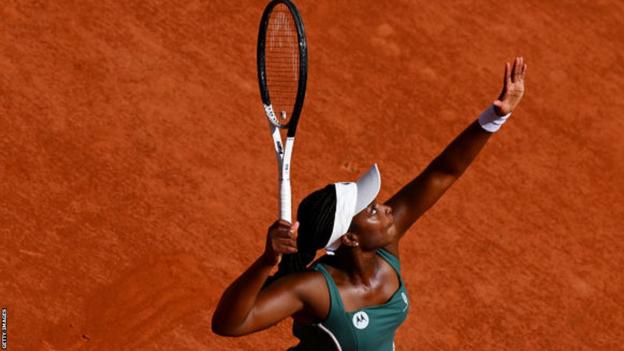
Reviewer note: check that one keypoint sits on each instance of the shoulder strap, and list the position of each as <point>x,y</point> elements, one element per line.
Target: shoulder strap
<point>334,295</point>
<point>392,259</point>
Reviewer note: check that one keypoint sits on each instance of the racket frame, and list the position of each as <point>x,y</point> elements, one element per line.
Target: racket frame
<point>283,151</point>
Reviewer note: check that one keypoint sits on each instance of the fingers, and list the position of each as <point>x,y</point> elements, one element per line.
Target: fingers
<point>283,226</point>
<point>285,231</point>
<point>513,87</point>
<point>518,69</point>
<point>507,76</point>
<point>283,237</point>
<point>283,246</point>
<point>294,228</point>
<point>506,81</point>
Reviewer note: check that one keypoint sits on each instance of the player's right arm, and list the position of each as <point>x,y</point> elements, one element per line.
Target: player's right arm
<point>245,307</point>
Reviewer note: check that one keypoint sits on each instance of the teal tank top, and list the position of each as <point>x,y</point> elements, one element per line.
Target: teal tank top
<point>367,329</point>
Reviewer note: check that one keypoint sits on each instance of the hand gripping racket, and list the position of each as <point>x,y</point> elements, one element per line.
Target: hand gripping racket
<point>282,72</point>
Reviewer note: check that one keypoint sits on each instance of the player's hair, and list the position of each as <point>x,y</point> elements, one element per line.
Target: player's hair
<point>316,220</point>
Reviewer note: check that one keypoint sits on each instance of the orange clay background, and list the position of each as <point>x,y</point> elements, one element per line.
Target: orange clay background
<point>138,177</point>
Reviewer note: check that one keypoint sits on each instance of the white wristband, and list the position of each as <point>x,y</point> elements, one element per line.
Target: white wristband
<point>490,121</point>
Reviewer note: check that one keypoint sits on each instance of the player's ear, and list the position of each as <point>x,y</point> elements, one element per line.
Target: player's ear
<point>350,240</point>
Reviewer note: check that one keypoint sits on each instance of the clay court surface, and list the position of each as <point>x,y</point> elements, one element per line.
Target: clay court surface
<point>137,175</point>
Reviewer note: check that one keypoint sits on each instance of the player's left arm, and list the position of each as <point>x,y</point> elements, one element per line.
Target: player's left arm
<point>422,192</point>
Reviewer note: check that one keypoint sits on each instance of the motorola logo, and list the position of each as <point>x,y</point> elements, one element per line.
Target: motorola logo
<point>360,320</point>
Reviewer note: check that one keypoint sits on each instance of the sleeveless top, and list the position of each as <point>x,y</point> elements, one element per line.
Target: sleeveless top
<point>367,329</point>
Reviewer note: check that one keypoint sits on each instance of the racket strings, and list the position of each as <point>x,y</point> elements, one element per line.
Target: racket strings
<point>282,62</point>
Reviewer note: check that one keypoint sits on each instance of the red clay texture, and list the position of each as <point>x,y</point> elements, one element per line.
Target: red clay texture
<point>138,177</point>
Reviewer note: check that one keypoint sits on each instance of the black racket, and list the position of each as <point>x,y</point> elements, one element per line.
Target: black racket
<point>282,73</point>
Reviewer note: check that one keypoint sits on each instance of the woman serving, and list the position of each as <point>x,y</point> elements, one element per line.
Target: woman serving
<point>352,298</point>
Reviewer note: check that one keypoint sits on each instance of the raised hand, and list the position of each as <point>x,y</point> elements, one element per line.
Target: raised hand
<point>281,239</point>
<point>513,87</point>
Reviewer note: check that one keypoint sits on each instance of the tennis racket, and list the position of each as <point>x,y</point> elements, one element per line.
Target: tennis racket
<point>282,71</point>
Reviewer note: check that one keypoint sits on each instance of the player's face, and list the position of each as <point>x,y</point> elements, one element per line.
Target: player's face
<point>374,226</point>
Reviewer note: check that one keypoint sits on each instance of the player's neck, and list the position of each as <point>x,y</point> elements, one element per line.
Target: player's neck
<point>359,267</point>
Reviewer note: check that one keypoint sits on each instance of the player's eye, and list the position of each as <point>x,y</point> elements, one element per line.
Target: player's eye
<point>374,210</point>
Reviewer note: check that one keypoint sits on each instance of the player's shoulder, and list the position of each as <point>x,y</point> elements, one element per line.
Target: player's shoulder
<point>309,279</point>
<point>313,291</point>
<point>310,287</point>
<point>301,281</point>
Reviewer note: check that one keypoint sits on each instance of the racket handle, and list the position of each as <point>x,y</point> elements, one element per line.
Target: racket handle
<point>285,192</point>
<point>285,210</point>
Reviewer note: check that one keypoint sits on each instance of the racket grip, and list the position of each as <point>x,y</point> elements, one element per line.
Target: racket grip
<point>285,200</point>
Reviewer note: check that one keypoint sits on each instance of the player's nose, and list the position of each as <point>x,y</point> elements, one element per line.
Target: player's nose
<point>386,209</point>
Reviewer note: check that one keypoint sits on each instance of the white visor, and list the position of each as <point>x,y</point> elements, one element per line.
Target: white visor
<point>351,199</point>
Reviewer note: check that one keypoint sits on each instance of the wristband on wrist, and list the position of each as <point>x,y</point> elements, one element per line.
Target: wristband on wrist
<point>490,121</point>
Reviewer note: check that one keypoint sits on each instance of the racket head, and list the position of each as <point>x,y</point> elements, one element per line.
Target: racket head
<point>282,60</point>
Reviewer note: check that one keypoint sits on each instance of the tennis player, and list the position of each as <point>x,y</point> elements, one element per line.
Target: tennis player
<point>352,298</point>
